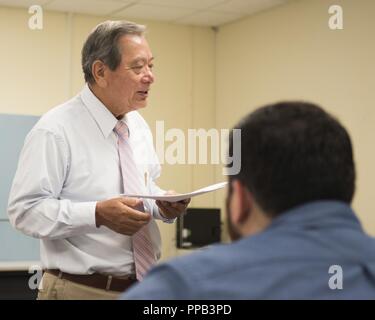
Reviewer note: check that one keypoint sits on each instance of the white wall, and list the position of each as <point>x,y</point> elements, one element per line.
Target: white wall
<point>206,80</point>
<point>290,53</point>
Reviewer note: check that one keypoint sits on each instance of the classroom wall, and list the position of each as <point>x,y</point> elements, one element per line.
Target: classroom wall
<point>41,69</point>
<point>207,79</point>
<point>290,53</point>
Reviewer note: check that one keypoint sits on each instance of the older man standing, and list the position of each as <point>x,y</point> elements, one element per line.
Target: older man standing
<point>76,162</point>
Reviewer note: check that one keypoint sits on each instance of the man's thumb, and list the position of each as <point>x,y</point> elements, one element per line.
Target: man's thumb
<point>131,202</point>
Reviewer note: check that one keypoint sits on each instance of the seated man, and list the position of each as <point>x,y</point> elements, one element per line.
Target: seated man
<point>288,212</point>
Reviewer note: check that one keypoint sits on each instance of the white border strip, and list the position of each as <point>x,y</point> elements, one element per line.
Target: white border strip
<point>18,265</point>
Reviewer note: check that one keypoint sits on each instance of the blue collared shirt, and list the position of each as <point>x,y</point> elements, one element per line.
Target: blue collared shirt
<point>309,252</point>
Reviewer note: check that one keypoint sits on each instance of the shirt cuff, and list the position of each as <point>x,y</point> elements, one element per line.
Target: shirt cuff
<point>84,214</point>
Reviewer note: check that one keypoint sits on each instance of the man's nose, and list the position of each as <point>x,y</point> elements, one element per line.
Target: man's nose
<point>148,77</point>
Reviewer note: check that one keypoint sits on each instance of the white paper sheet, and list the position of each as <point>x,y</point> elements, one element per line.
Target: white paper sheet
<point>181,196</point>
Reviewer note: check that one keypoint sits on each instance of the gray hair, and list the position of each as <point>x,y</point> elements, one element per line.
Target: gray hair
<point>102,44</point>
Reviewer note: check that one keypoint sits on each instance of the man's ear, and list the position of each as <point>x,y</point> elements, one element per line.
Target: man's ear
<point>241,203</point>
<point>99,70</point>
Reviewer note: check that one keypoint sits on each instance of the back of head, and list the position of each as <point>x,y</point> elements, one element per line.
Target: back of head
<point>293,153</point>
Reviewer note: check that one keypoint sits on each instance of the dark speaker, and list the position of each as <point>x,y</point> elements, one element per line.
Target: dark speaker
<point>199,227</point>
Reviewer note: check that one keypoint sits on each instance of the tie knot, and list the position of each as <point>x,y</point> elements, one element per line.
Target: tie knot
<point>122,130</point>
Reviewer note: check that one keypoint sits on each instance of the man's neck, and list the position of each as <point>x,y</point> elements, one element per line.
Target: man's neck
<point>257,222</point>
<point>99,93</point>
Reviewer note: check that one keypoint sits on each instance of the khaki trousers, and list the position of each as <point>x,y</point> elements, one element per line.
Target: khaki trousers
<point>54,288</point>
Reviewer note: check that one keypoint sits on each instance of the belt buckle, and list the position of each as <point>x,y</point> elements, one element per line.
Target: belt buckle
<point>109,281</point>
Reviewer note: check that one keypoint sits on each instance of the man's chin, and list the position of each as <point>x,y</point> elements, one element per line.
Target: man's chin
<point>140,105</point>
<point>137,106</point>
<point>233,234</point>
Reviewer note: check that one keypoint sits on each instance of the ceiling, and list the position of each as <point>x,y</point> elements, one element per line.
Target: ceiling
<point>190,12</point>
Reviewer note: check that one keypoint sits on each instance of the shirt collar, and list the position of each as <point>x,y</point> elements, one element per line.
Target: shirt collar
<point>105,120</point>
<point>321,213</point>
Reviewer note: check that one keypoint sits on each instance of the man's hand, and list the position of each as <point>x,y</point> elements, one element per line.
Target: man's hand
<point>121,215</point>
<point>171,210</point>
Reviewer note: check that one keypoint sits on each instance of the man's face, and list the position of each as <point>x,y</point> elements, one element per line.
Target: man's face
<point>128,86</point>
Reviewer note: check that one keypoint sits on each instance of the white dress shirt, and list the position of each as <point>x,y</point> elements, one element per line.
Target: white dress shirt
<point>69,162</point>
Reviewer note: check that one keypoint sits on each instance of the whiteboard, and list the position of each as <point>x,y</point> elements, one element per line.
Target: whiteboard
<point>14,246</point>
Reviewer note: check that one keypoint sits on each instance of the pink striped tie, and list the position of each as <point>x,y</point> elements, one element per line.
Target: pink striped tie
<point>144,256</point>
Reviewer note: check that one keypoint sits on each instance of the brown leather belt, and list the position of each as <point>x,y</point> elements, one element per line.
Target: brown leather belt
<point>96,280</point>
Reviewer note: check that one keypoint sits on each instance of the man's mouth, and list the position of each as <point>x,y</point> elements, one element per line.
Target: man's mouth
<point>145,93</point>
